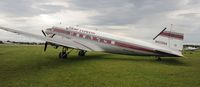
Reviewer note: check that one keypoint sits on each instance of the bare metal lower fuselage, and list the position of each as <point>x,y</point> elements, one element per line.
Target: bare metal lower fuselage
<point>119,45</point>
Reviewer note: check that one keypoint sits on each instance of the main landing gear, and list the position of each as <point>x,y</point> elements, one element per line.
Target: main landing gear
<point>158,58</point>
<point>81,53</point>
<point>64,53</point>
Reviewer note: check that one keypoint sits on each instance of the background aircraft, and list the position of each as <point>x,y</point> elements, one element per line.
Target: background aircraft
<point>167,43</point>
<point>191,49</point>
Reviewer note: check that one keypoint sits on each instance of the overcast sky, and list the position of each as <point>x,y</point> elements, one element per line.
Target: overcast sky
<point>141,19</point>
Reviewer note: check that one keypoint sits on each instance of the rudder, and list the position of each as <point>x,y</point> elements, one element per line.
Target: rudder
<point>170,39</point>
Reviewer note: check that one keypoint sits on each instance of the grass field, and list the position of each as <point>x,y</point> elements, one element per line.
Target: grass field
<point>29,66</point>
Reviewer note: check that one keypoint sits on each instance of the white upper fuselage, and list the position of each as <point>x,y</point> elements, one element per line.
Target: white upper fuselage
<point>101,41</point>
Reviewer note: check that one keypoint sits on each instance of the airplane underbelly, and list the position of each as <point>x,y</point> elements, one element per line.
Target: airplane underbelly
<point>121,50</point>
<point>109,48</point>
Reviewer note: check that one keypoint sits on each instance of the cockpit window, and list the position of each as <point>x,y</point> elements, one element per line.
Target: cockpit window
<point>49,29</point>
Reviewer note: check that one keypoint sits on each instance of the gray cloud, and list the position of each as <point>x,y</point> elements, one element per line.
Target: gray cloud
<point>148,17</point>
<point>27,7</point>
<point>136,18</point>
<point>190,15</point>
<point>118,12</point>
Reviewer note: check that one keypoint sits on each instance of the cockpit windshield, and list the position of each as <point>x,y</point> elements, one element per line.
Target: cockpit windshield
<point>49,29</point>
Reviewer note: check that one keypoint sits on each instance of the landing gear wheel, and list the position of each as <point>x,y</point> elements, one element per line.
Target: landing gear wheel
<point>159,59</point>
<point>60,55</point>
<point>81,53</point>
<point>63,55</point>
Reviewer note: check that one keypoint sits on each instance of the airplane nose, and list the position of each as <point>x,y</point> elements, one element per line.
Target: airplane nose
<point>48,31</point>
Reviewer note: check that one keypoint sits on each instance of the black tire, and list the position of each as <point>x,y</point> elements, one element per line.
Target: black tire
<point>81,53</point>
<point>60,55</point>
<point>159,59</point>
<point>64,56</point>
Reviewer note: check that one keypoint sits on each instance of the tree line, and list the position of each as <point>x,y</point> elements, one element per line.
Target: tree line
<point>16,42</point>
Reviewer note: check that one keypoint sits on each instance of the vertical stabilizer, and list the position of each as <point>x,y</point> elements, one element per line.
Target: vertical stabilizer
<point>170,39</point>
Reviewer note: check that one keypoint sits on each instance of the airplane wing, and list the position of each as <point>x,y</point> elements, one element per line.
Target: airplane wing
<point>64,42</point>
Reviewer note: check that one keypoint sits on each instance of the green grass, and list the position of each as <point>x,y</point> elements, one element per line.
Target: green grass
<point>29,66</point>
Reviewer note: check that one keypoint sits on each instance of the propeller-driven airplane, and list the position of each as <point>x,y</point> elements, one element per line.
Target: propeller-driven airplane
<point>191,49</point>
<point>167,43</point>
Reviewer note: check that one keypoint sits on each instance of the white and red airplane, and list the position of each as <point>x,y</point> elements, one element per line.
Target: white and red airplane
<point>167,43</point>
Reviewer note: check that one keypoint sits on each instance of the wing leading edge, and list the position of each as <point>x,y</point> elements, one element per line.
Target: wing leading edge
<point>64,42</point>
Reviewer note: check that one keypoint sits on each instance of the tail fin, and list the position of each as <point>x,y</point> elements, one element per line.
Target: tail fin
<point>170,39</point>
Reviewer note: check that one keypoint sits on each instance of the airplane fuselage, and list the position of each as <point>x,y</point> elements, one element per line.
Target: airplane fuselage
<point>110,43</point>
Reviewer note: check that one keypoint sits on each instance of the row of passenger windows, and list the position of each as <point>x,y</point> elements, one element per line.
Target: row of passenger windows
<point>94,38</point>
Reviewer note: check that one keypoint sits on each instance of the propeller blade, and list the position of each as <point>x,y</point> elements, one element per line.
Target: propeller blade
<point>44,33</point>
<point>45,46</point>
<point>53,35</point>
<point>159,33</point>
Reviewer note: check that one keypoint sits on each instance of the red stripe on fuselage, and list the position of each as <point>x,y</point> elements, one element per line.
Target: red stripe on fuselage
<point>172,34</point>
<point>105,41</point>
<point>125,45</point>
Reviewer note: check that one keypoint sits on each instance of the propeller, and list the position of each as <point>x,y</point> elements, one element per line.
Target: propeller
<point>53,35</point>
<point>46,43</point>
<point>45,46</point>
<point>44,33</point>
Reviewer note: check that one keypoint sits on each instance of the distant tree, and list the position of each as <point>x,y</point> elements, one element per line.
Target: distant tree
<point>1,42</point>
<point>8,41</point>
